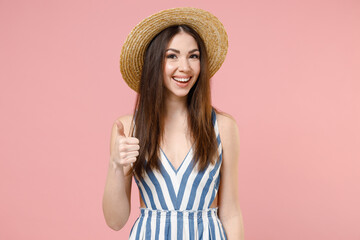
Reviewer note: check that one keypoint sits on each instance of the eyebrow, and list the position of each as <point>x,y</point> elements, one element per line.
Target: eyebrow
<point>177,51</point>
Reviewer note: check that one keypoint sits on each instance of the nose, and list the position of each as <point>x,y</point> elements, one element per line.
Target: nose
<point>184,65</point>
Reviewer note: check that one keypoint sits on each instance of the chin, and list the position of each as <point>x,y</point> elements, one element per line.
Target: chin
<point>180,94</point>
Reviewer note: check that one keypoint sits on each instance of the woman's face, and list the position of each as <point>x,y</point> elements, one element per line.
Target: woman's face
<point>181,65</point>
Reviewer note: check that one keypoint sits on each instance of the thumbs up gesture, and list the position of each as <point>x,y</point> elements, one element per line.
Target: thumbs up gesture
<point>126,149</point>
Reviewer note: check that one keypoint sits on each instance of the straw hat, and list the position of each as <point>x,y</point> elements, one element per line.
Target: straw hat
<point>204,23</point>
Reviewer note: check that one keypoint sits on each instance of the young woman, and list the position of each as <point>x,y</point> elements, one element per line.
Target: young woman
<point>182,153</point>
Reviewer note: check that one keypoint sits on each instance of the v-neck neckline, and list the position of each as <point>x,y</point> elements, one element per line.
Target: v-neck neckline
<point>182,162</point>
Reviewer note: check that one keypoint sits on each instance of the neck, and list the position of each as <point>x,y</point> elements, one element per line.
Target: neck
<point>175,107</point>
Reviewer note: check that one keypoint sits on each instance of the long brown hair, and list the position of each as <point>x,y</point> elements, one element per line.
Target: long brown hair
<point>149,107</point>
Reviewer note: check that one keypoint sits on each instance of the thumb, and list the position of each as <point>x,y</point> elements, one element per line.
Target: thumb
<point>120,128</point>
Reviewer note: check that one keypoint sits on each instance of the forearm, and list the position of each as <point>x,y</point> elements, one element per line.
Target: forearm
<point>233,226</point>
<point>116,198</point>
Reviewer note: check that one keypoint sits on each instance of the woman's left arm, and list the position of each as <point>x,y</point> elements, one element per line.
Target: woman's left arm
<point>229,209</point>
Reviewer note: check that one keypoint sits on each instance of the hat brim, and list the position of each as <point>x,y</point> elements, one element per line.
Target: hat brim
<point>210,29</point>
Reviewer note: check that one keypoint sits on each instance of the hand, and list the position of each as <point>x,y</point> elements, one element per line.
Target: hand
<point>126,149</point>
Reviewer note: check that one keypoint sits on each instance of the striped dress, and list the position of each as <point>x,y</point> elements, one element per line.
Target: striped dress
<point>178,200</point>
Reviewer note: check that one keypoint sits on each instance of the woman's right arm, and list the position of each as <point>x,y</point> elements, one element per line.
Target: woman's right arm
<point>117,193</point>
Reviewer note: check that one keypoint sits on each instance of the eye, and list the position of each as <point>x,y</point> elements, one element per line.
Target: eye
<point>171,56</point>
<point>194,56</point>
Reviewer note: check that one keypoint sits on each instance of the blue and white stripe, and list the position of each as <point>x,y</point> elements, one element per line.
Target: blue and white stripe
<point>178,200</point>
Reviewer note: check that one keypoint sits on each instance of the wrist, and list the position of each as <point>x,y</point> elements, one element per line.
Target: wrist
<point>114,166</point>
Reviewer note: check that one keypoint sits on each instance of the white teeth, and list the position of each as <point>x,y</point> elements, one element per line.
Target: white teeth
<point>181,79</point>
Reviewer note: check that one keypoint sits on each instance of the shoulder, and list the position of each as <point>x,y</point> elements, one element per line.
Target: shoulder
<point>126,120</point>
<point>229,135</point>
<point>227,124</point>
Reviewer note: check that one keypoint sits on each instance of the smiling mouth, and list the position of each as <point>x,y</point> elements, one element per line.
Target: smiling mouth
<point>181,80</point>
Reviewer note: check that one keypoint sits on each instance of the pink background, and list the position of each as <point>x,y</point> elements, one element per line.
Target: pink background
<point>291,79</point>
